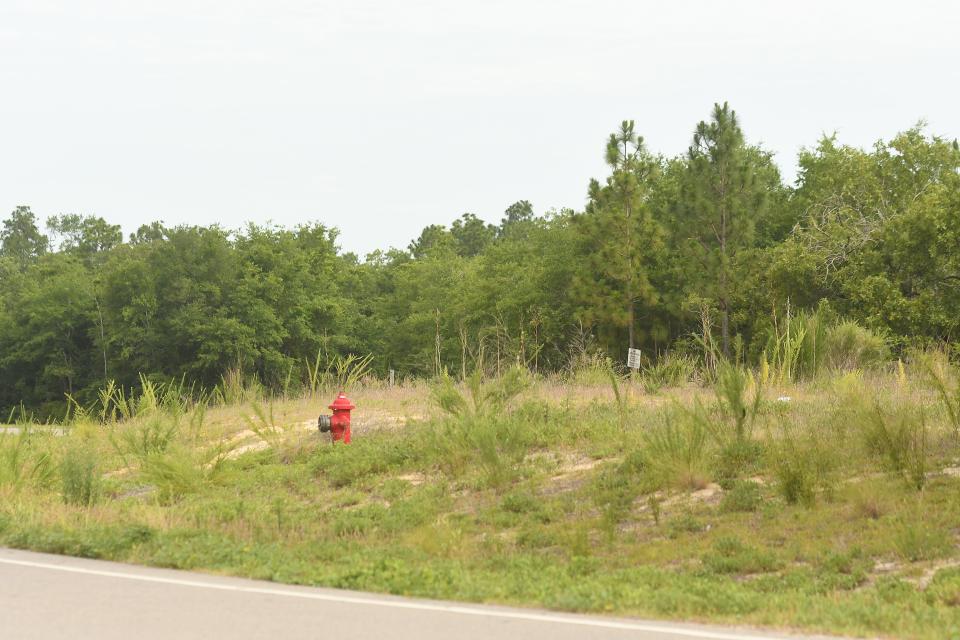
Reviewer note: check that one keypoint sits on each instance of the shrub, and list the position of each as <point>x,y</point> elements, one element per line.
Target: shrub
<point>802,464</point>
<point>669,371</point>
<point>850,346</point>
<point>743,496</point>
<point>901,443</point>
<point>868,502</point>
<point>737,408</point>
<point>945,379</point>
<point>479,430</point>
<point>520,502</point>
<point>730,555</point>
<point>685,523</point>
<point>739,398</point>
<point>367,457</point>
<point>359,521</point>
<point>735,459</point>
<point>23,461</point>
<point>914,540</point>
<point>944,589</point>
<point>146,436</point>
<point>676,453</point>
<point>80,477</point>
<point>180,471</point>
<point>614,490</point>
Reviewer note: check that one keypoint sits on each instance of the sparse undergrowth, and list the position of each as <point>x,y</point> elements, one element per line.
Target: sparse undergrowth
<point>833,511</point>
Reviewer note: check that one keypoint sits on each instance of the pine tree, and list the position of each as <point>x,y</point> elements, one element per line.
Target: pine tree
<point>721,200</point>
<point>623,240</point>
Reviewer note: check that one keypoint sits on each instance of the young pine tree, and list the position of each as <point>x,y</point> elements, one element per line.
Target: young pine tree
<point>721,200</point>
<point>623,241</point>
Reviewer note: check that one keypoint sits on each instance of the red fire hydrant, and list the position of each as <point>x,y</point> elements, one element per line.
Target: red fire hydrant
<point>339,423</point>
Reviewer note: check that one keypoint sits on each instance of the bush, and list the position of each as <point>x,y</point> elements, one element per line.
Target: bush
<point>613,491</point>
<point>181,471</point>
<point>743,496</point>
<point>735,459</point>
<point>480,431</point>
<point>24,461</point>
<point>944,589</point>
<point>364,458</point>
<point>850,346</point>
<point>915,541</point>
<point>80,477</point>
<point>669,371</point>
<point>676,453</point>
<point>520,502</point>
<point>802,465</point>
<point>901,443</point>
<point>730,555</point>
<point>145,436</point>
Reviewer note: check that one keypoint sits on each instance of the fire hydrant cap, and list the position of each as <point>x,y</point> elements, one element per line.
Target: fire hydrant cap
<point>342,403</point>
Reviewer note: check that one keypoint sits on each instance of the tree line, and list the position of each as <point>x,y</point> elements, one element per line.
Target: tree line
<point>666,251</point>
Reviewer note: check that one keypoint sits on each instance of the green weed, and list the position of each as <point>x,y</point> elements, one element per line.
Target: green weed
<point>80,477</point>
<point>731,555</point>
<point>901,442</point>
<point>676,452</point>
<point>802,463</point>
<point>744,495</point>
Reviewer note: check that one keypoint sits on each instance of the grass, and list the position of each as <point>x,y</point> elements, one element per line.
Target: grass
<point>697,503</point>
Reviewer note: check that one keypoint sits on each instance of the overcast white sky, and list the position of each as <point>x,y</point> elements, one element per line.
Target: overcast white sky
<point>382,117</point>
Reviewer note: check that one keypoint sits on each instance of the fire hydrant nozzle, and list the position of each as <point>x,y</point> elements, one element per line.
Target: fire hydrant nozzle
<point>339,423</point>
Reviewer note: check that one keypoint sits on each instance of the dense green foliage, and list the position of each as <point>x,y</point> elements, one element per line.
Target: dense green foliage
<point>664,249</point>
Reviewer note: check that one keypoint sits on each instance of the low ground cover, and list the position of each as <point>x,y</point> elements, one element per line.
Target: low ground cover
<point>830,505</point>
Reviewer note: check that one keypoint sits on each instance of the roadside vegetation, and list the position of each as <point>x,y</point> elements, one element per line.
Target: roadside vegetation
<point>788,453</point>
<point>821,497</point>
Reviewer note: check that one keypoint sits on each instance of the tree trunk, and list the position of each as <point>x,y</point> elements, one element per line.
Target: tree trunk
<point>725,328</point>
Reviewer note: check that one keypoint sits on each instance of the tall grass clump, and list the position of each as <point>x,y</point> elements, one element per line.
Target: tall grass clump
<point>478,429</point>
<point>676,452</point>
<point>285,443</point>
<point>945,380</point>
<point>804,344</point>
<point>183,470</point>
<point>236,387</point>
<point>803,463</point>
<point>80,476</point>
<point>796,346</point>
<point>739,397</point>
<point>23,461</point>
<point>901,441</point>
<point>116,403</point>
<point>672,370</point>
<point>147,436</point>
<point>333,371</point>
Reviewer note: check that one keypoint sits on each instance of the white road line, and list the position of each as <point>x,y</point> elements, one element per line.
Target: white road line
<point>397,604</point>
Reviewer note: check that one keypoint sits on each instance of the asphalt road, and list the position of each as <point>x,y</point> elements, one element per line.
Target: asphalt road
<point>48,597</point>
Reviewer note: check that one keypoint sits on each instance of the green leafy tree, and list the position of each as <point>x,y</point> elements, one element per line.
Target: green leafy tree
<point>878,234</point>
<point>84,235</point>
<point>434,236</point>
<point>20,238</point>
<point>472,235</point>
<point>516,215</point>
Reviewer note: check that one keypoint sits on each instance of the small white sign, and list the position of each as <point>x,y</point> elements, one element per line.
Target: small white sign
<point>633,358</point>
